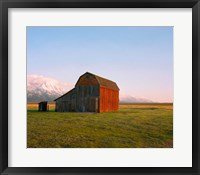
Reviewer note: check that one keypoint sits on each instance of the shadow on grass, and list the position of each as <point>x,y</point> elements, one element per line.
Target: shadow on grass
<point>29,110</point>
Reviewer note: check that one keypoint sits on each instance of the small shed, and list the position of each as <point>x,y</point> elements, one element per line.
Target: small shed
<point>42,106</point>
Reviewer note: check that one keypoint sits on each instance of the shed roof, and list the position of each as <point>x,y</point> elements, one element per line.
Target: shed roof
<point>64,94</point>
<point>42,102</point>
<point>104,82</point>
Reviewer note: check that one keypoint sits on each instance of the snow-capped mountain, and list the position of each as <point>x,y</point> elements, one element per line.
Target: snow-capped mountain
<point>130,99</point>
<point>41,88</point>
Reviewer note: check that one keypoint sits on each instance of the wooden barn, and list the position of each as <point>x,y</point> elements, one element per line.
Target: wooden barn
<point>91,93</point>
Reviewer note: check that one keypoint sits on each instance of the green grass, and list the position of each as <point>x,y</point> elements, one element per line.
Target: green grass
<point>145,127</point>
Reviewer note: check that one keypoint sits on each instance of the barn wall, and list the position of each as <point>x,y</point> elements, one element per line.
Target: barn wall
<point>87,93</point>
<point>109,99</point>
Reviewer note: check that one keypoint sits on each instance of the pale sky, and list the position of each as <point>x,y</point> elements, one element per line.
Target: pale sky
<point>138,59</point>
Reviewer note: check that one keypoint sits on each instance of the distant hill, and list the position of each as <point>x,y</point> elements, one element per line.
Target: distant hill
<point>41,88</point>
<point>131,99</point>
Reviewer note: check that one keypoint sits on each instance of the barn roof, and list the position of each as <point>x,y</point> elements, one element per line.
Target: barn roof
<point>64,94</point>
<point>104,82</point>
<point>107,83</point>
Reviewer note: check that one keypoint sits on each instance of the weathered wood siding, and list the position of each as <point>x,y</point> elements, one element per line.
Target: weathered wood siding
<point>109,99</point>
<point>87,97</point>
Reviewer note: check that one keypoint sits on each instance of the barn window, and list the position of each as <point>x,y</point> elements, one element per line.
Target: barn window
<point>87,76</point>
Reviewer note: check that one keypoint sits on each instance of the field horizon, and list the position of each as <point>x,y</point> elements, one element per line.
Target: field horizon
<point>151,103</point>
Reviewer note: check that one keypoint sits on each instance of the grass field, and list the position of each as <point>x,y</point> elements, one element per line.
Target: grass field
<point>133,126</point>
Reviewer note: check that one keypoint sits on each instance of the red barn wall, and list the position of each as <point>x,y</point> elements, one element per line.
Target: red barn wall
<point>109,99</point>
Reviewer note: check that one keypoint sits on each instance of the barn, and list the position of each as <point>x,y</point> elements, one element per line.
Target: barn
<point>91,93</point>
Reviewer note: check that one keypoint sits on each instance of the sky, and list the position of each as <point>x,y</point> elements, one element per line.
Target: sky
<point>138,59</point>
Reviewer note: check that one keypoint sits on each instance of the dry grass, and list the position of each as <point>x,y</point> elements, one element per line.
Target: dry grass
<point>34,106</point>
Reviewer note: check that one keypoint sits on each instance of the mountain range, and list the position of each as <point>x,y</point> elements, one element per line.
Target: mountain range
<point>124,98</point>
<point>42,88</point>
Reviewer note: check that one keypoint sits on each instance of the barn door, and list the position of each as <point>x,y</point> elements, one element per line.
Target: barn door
<point>83,108</point>
<point>73,102</point>
<point>91,104</point>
